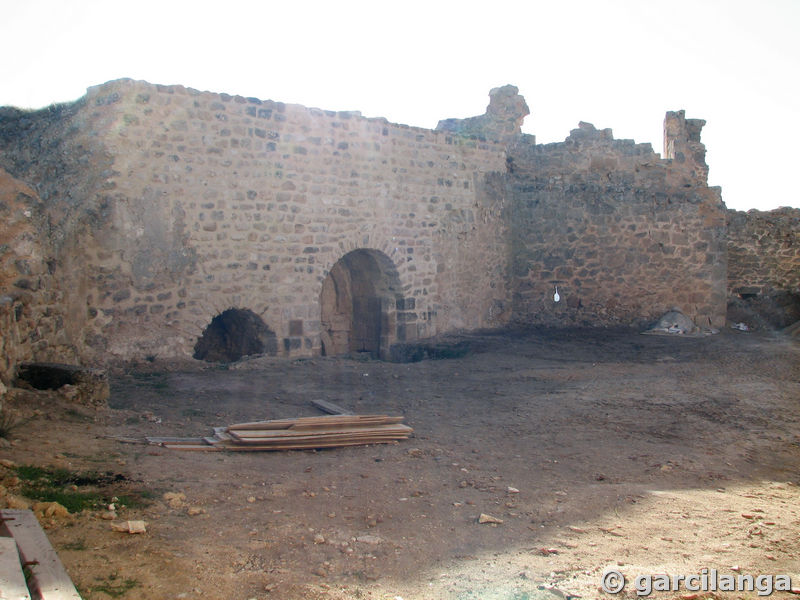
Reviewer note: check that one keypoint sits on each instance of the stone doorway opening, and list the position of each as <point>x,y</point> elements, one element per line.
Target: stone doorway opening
<point>233,334</point>
<point>359,305</point>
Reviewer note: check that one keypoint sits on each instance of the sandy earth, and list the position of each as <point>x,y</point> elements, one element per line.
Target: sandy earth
<point>643,454</point>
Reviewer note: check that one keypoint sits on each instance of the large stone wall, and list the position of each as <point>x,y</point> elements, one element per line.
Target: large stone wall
<point>164,215</point>
<point>763,251</point>
<point>624,234</point>
<point>206,202</point>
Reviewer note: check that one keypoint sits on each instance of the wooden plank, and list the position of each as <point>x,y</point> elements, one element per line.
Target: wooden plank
<point>205,447</point>
<point>49,580</point>
<point>220,434</point>
<point>218,437</point>
<point>311,439</point>
<point>361,422</point>
<point>294,445</point>
<point>311,443</point>
<point>213,440</point>
<point>276,424</point>
<point>306,446</point>
<point>285,445</point>
<point>330,407</point>
<point>175,440</point>
<point>329,431</point>
<point>327,442</point>
<point>12,579</point>
<point>326,438</point>
<point>323,421</point>
<point>355,428</point>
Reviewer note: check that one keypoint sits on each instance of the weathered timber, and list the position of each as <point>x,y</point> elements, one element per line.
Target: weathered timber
<point>12,579</point>
<point>49,580</point>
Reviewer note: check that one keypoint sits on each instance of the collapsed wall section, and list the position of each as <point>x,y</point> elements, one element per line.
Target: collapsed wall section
<point>625,235</point>
<point>59,153</point>
<point>217,202</point>
<point>34,319</point>
<point>66,171</point>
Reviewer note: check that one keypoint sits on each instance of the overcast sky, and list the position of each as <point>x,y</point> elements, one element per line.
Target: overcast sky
<point>614,63</point>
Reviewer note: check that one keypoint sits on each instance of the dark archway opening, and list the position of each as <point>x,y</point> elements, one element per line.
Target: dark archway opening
<point>359,305</point>
<point>233,334</point>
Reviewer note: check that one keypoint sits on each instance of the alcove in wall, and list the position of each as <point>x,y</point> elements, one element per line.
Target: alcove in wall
<point>233,334</point>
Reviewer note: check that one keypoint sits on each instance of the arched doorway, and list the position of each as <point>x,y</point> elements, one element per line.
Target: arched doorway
<point>358,304</point>
<point>233,334</point>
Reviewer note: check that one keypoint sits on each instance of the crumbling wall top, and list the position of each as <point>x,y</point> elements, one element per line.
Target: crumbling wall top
<point>587,131</point>
<point>682,142</point>
<point>502,121</point>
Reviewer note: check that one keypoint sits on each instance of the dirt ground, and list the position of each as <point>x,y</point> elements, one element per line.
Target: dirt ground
<point>600,449</point>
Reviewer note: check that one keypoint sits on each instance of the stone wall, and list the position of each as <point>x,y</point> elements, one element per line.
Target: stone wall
<point>34,313</point>
<point>60,156</point>
<point>166,218</point>
<point>624,234</point>
<point>204,202</point>
<point>763,251</point>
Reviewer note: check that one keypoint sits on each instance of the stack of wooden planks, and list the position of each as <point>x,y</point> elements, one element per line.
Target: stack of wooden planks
<point>302,433</point>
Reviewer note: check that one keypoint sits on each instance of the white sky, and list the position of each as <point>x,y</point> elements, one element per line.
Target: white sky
<point>614,63</point>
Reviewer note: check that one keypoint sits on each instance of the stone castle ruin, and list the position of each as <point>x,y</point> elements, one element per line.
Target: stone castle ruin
<point>158,221</point>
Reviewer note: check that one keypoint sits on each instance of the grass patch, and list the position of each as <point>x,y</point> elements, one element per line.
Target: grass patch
<point>65,487</point>
<point>34,473</point>
<point>73,501</point>
<point>60,476</point>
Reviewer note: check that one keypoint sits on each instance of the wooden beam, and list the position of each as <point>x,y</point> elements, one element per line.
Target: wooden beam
<point>49,580</point>
<point>204,447</point>
<point>312,422</point>
<point>175,440</point>
<point>247,434</point>
<point>315,445</point>
<point>12,579</point>
<point>328,431</point>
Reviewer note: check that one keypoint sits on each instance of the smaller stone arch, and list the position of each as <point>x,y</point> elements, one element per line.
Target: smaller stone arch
<point>233,334</point>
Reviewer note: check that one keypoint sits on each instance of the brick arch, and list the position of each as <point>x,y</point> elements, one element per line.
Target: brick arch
<point>359,301</point>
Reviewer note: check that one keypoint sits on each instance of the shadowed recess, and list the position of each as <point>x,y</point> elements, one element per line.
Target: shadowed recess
<point>233,334</point>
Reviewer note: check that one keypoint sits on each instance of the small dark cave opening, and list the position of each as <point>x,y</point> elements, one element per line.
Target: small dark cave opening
<point>233,334</point>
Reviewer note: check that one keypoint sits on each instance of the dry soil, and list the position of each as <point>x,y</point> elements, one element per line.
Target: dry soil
<point>597,449</point>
